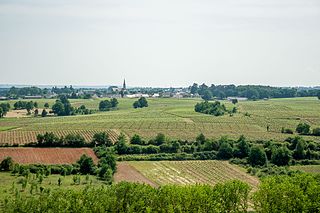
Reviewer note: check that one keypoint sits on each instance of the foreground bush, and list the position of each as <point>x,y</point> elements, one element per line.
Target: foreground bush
<point>299,193</point>
<point>129,197</point>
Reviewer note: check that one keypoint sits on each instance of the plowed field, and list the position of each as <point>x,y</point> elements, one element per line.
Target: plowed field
<point>46,155</point>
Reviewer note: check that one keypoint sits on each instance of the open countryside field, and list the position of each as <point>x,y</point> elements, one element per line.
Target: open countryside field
<point>191,172</point>
<point>175,118</point>
<point>49,156</point>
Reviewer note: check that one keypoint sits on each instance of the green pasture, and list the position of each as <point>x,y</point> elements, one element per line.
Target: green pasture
<point>177,119</point>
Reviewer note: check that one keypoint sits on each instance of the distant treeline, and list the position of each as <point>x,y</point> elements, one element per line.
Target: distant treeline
<point>250,91</point>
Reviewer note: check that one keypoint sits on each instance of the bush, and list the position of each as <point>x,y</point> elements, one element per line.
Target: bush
<point>298,193</point>
<point>132,197</point>
<point>316,131</point>
<point>74,140</point>
<point>281,156</point>
<point>215,108</point>
<point>225,151</point>
<point>257,156</point>
<point>7,164</point>
<point>101,138</point>
<point>303,128</point>
<point>140,103</point>
<point>86,165</point>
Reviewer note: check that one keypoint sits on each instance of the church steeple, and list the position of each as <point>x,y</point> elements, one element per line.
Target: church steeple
<point>124,85</point>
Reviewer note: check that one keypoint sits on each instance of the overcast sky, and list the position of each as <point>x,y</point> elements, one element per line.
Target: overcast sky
<point>160,42</point>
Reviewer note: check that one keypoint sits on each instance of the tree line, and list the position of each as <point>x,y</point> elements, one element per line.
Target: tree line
<point>249,91</point>
<point>297,193</point>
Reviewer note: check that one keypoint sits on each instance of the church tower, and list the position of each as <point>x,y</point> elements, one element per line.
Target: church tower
<point>124,85</point>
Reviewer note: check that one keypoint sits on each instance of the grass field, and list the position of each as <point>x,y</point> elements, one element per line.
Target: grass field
<point>176,118</point>
<point>313,169</point>
<point>192,172</point>
<point>9,184</point>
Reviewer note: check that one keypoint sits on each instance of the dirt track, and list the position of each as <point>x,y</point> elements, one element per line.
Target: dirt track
<point>125,172</point>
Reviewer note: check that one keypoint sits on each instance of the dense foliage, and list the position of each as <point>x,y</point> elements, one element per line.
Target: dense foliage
<point>298,193</point>
<point>140,103</point>
<point>130,197</point>
<point>249,91</point>
<point>4,108</point>
<point>107,105</point>
<point>215,108</point>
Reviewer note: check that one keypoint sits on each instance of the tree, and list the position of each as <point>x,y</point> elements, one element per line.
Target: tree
<point>105,173</point>
<point>86,165</point>
<point>35,104</point>
<point>58,108</point>
<point>7,164</point>
<point>316,131</point>
<point>225,151</point>
<point>303,128</point>
<point>29,106</point>
<point>74,140</point>
<point>201,139</point>
<point>216,108</point>
<point>143,102</point>
<point>299,152</point>
<point>242,148</point>
<point>46,105</point>
<point>121,145</point>
<point>194,89</point>
<point>36,112</point>
<point>4,108</point>
<point>136,139</point>
<point>140,103</point>
<point>206,95</point>
<point>281,156</point>
<point>105,105</point>
<point>257,156</point>
<point>114,102</point>
<point>235,101</point>
<point>102,138</point>
<point>44,113</point>
<point>160,139</point>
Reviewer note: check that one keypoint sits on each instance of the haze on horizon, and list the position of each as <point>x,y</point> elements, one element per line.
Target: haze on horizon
<point>160,43</point>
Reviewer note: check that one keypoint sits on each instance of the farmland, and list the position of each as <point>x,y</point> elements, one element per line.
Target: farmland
<point>192,172</point>
<point>313,169</point>
<point>47,156</point>
<point>175,118</point>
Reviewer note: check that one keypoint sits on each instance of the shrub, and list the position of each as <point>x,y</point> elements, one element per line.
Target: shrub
<point>7,164</point>
<point>316,131</point>
<point>281,156</point>
<point>303,128</point>
<point>101,138</point>
<point>257,156</point>
<point>86,165</point>
<point>215,108</point>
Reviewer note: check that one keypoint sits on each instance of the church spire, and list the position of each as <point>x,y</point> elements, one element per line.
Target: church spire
<point>124,85</point>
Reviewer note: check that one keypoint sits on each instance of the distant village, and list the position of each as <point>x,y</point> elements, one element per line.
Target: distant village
<point>86,93</point>
<point>220,92</point>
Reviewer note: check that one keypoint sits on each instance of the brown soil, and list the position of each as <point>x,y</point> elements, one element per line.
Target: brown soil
<point>47,156</point>
<point>125,172</point>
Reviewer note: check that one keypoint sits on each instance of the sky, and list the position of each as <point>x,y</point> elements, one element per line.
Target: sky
<point>160,43</point>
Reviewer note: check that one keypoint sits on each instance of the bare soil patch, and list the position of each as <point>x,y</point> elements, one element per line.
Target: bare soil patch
<point>49,156</point>
<point>125,172</point>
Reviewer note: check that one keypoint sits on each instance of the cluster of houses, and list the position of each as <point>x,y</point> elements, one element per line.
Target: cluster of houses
<point>124,92</point>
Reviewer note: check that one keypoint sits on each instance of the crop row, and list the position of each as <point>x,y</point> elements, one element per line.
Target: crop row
<point>192,172</point>
<point>23,137</point>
